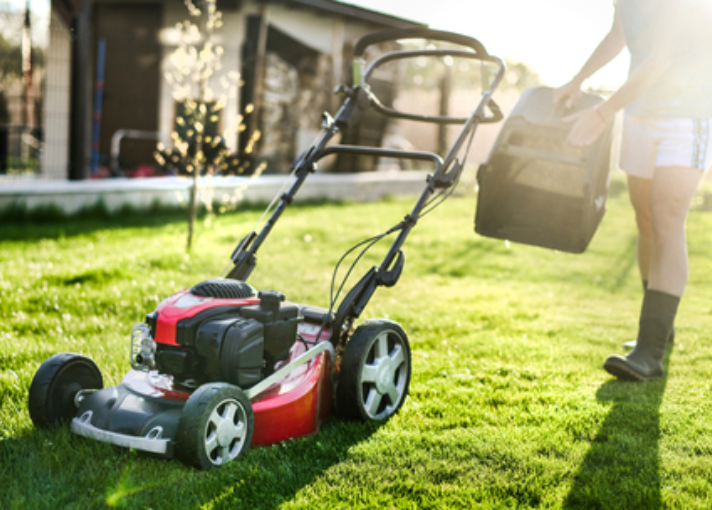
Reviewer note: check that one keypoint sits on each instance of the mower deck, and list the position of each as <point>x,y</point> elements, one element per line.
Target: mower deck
<point>143,411</point>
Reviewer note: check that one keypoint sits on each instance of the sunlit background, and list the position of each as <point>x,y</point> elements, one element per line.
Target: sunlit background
<point>544,42</point>
<point>553,37</point>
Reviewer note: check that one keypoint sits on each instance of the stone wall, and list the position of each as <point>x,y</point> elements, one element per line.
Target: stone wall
<point>294,100</point>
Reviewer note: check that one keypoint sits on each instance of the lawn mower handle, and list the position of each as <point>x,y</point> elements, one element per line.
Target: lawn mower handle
<point>380,152</point>
<point>362,76</point>
<point>417,33</point>
<point>447,169</point>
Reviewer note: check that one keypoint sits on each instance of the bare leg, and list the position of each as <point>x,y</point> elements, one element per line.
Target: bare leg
<point>671,194</point>
<point>639,193</point>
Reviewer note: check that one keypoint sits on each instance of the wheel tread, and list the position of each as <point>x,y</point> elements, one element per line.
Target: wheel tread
<point>191,421</point>
<point>347,394</point>
<point>42,382</point>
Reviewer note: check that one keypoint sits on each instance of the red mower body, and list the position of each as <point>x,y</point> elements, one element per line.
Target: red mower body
<point>293,407</point>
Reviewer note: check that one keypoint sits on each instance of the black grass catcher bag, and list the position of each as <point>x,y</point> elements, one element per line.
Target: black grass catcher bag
<point>536,188</point>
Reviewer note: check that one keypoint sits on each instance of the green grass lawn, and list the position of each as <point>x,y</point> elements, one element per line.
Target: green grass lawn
<point>508,408</point>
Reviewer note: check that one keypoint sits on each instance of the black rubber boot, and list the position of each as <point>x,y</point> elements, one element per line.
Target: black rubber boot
<point>630,344</point>
<point>644,363</point>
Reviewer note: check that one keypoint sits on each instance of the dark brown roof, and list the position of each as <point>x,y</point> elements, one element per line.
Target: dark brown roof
<point>68,8</point>
<point>353,11</point>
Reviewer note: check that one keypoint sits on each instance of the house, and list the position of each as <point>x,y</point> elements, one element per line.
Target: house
<point>290,54</point>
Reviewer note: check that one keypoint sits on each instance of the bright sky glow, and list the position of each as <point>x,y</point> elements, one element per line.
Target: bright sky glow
<point>12,19</point>
<point>36,6</point>
<point>553,37</point>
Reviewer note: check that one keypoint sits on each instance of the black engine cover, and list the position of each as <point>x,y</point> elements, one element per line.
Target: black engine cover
<point>232,350</point>
<point>235,344</point>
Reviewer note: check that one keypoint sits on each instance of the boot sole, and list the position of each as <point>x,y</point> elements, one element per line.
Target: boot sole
<point>621,370</point>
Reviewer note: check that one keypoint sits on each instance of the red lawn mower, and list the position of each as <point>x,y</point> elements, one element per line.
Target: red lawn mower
<point>220,366</point>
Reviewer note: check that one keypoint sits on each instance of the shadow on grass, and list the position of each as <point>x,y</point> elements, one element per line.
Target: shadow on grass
<point>51,223</point>
<point>623,264</point>
<point>622,466</point>
<point>51,226</point>
<point>56,469</point>
<point>270,476</point>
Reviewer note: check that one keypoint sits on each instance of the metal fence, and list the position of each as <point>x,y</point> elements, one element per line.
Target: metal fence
<point>20,149</point>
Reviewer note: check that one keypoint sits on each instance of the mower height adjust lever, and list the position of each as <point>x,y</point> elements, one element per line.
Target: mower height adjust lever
<point>242,245</point>
<point>389,277</point>
<point>447,179</point>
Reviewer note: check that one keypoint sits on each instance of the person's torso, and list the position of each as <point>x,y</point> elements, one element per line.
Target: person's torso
<point>685,89</point>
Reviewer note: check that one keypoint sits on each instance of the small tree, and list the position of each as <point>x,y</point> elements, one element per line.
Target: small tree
<point>198,149</point>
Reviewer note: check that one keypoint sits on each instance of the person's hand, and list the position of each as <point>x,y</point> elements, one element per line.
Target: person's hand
<point>588,125</point>
<point>568,93</point>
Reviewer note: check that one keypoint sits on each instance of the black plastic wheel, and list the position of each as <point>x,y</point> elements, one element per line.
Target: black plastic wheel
<point>216,426</point>
<point>56,383</point>
<point>375,372</point>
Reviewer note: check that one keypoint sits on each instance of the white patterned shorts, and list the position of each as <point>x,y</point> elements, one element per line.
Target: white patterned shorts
<point>651,142</point>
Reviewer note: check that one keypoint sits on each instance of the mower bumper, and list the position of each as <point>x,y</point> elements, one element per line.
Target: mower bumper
<point>134,414</point>
<point>83,427</point>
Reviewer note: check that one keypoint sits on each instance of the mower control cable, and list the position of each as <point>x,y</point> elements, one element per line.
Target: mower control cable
<point>328,320</point>
<point>371,241</point>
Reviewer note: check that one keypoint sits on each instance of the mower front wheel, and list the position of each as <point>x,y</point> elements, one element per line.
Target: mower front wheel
<point>375,372</point>
<point>56,384</point>
<point>216,426</point>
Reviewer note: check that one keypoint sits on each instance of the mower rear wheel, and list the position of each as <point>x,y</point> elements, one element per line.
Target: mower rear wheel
<point>375,372</point>
<point>216,426</point>
<point>55,386</point>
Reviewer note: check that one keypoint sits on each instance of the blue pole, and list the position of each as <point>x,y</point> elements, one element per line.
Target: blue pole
<point>98,99</point>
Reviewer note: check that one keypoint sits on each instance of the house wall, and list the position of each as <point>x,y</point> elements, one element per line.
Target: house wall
<point>326,33</point>
<point>131,79</point>
<point>321,33</point>
<point>313,30</point>
<point>55,157</point>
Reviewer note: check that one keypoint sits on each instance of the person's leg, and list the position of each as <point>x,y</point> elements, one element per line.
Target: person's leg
<point>671,193</point>
<point>639,193</point>
<point>637,160</point>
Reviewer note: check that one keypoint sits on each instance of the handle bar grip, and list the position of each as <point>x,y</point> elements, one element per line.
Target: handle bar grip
<point>417,33</point>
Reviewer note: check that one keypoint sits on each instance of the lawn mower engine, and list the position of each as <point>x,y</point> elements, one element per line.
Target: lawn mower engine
<point>217,331</point>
